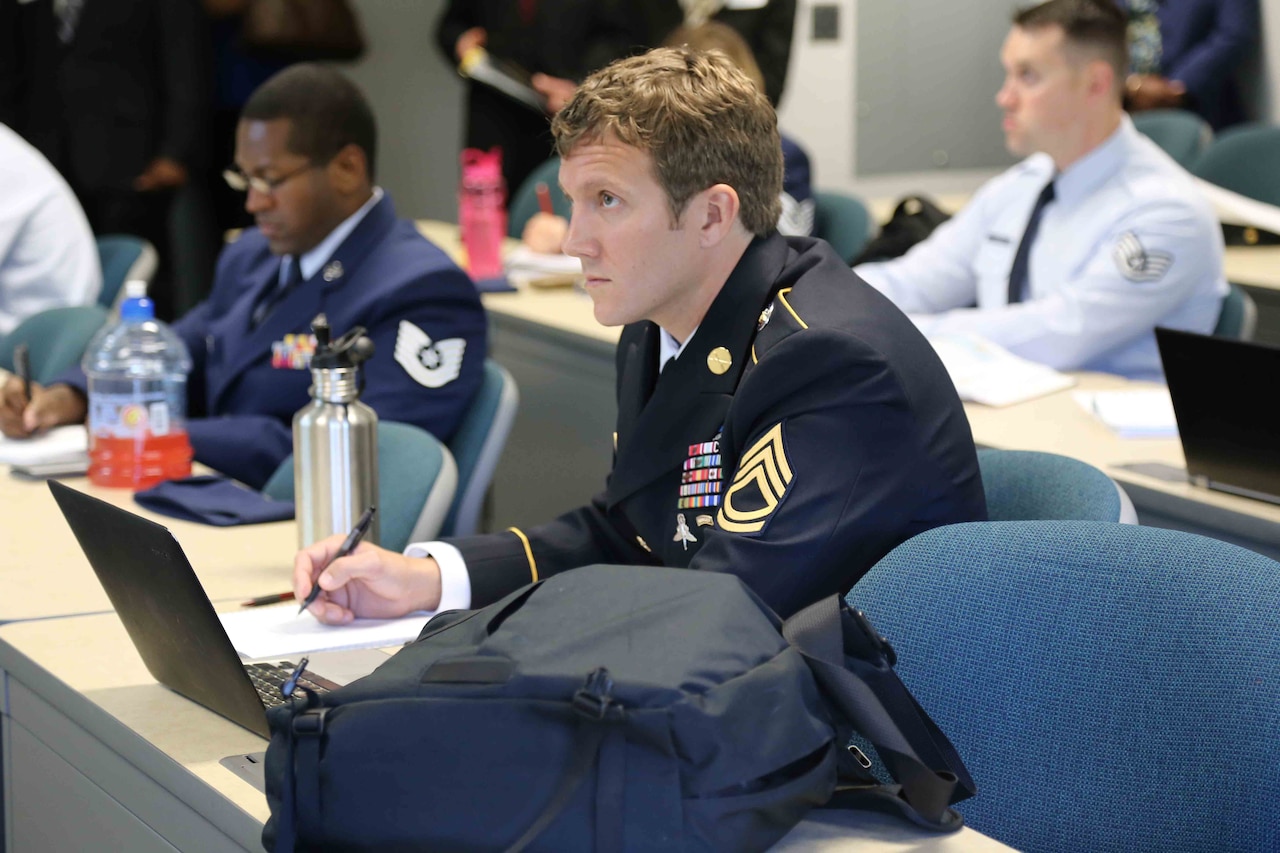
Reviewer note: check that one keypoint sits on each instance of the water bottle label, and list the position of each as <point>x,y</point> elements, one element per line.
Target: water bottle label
<point>126,415</point>
<point>159,415</point>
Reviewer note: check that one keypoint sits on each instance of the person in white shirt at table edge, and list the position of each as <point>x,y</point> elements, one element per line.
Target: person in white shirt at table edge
<point>1073,256</point>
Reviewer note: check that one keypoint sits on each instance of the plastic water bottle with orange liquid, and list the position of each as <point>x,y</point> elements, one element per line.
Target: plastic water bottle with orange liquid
<point>137,371</point>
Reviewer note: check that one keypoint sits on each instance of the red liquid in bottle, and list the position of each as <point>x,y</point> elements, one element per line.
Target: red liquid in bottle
<point>139,463</point>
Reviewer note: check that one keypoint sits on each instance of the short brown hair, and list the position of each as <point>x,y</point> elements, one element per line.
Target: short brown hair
<point>697,115</point>
<point>1098,25</point>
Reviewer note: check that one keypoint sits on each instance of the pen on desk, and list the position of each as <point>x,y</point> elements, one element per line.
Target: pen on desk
<point>22,366</point>
<point>348,545</point>
<point>264,600</point>
<point>544,198</point>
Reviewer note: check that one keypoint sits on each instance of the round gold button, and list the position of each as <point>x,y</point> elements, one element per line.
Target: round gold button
<point>719,361</point>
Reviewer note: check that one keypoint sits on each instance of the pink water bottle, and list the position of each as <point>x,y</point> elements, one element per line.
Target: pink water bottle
<point>482,215</point>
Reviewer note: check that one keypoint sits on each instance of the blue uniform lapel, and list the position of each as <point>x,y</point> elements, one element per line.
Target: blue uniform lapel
<point>689,402</point>
<point>295,313</point>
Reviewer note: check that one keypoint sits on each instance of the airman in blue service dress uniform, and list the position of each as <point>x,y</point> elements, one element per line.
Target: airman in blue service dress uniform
<point>805,431</point>
<point>246,383</point>
<point>778,418</point>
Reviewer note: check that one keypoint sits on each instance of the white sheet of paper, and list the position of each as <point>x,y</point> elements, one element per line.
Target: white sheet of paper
<point>279,631</point>
<point>522,259</point>
<point>59,444</point>
<point>991,375</point>
<point>1132,414</point>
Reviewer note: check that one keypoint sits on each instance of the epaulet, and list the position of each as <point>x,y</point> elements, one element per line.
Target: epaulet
<point>778,320</point>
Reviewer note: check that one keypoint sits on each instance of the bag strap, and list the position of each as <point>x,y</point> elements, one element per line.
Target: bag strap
<point>854,665</point>
<point>597,714</point>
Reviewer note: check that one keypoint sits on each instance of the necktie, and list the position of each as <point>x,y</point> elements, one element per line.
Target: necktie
<point>1018,273</point>
<point>273,297</point>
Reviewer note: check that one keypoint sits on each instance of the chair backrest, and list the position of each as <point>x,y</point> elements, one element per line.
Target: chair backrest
<point>524,199</point>
<point>477,445</point>
<point>124,258</point>
<point>416,481</point>
<point>56,339</point>
<point>1182,134</point>
<point>843,221</point>
<point>1244,159</point>
<point>1110,687</point>
<point>1026,485</point>
<point>1239,315</point>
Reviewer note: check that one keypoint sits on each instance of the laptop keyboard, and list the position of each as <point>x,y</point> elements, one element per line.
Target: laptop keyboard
<point>268,678</point>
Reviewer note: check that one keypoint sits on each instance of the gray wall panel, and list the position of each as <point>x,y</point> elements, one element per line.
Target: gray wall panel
<point>927,74</point>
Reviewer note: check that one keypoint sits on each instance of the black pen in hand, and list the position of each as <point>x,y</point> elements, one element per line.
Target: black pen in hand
<point>22,366</point>
<point>348,545</point>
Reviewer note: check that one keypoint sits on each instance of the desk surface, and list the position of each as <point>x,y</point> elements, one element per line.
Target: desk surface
<point>44,573</point>
<point>178,743</point>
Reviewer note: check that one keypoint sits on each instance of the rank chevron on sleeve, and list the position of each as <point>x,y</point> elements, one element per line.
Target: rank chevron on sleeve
<point>758,487</point>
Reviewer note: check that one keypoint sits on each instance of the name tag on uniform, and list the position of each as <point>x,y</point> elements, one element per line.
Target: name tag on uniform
<point>293,352</point>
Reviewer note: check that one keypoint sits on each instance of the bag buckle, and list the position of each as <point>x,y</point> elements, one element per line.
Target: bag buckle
<point>310,722</point>
<point>594,699</point>
<point>872,638</point>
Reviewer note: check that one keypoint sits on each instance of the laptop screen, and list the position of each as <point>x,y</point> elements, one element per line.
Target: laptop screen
<point>1225,401</point>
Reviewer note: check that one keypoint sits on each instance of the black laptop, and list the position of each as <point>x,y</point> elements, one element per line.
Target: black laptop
<point>164,608</point>
<point>1227,409</point>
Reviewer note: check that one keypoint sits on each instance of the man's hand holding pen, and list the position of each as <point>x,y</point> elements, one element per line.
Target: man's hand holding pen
<point>24,412</point>
<point>372,582</point>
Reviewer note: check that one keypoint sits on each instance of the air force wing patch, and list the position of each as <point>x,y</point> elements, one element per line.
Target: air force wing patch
<point>430,363</point>
<point>758,487</point>
<point>1138,264</point>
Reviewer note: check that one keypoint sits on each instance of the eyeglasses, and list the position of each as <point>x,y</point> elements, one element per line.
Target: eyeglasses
<point>240,182</point>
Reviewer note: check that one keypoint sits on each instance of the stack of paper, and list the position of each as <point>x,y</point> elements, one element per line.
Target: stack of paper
<point>277,632</point>
<point>1132,414</point>
<point>60,446</point>
<point>988,374</point>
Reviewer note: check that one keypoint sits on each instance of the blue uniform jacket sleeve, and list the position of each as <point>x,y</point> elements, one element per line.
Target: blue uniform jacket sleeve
<point>1204,66</point>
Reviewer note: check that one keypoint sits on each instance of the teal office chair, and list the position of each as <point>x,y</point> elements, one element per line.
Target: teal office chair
<point>56,339</point>
<point>416,481</point>
<point>477,445</point>
<point>1110,687</point>
<point>1025,485</point>
<point>843,221</point>
<point>1244,159</point>
<point>1239,315</point>
<point>1182,135</point>
<point>124,258</point>
<point>524,199</point>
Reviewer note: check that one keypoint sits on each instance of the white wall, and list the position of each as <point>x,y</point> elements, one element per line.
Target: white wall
<point>417,98</point>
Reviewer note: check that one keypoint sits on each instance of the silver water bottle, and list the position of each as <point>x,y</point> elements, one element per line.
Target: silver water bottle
<point>335,441</point>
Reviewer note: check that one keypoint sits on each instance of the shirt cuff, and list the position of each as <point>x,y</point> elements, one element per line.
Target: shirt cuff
<point>455,580</point>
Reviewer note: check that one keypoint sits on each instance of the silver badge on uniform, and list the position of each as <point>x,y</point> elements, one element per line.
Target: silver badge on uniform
<point>1139,264</point>
<point>683,535</point>
<point>333,271</point>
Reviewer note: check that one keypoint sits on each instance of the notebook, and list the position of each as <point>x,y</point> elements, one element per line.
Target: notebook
<point>1227,411</point>
<point>171,621</point>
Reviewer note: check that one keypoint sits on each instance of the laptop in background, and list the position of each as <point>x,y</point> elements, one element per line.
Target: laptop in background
<point>172,623</point>
<point>1227,409</point>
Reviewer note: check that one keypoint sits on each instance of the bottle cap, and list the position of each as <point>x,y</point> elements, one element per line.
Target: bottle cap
<point>346,351</point>
<point>136,305</point>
